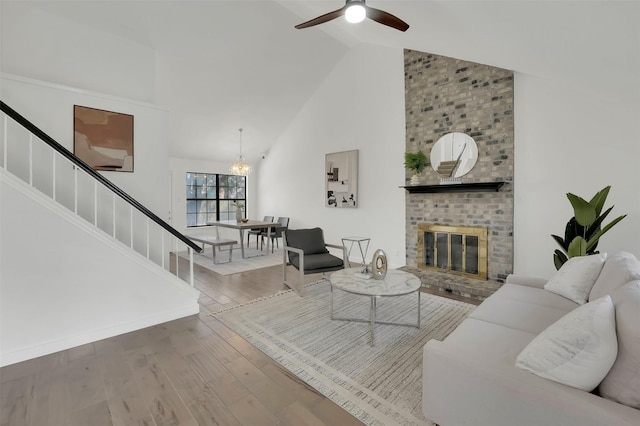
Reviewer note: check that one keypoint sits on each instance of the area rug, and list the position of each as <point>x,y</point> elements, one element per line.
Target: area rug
<point>380,385</point>
<point>254,260</point>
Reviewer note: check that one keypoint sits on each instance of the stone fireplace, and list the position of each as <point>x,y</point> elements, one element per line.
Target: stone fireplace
<point>444,95</point>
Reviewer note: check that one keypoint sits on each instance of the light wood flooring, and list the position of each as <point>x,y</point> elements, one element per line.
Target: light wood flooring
<point>192,371</point>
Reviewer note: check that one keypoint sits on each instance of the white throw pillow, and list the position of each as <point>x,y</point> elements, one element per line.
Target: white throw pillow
<point>576,277</point>
<point>618,269</point>
<point>578,350</point>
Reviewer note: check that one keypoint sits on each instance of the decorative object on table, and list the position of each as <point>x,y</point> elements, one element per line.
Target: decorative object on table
<point>239,213</point>
<point>379,264</point>
<point>341,179</point>
<point>356,11</point>
<point>240,167</point>
<point>103,139</point>
<point>453,156</point>
<point>244,220</point>
<point>416,162</point>
<point>584,229</point>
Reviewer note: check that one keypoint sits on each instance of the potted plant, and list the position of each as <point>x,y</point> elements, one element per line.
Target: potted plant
<point>416,162</point>
<point>584,229</point>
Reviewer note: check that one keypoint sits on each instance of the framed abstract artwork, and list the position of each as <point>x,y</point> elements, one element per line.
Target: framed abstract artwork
<point>341,178</point>
<point>103,139</point>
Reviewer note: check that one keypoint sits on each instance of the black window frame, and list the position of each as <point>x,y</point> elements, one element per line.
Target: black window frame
<point>217,193</point>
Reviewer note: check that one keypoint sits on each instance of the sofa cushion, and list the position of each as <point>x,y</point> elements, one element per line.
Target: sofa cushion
<point>536,296</point>
<point>489,341</point>
<point>315,263</point>
<point>576,277</point>
<point>519,315</point>
<point>622,384</point>
<point>578,350</point>
<point>618,270</point>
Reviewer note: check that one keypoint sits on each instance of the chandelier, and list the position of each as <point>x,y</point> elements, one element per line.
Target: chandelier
<point>240,167</point>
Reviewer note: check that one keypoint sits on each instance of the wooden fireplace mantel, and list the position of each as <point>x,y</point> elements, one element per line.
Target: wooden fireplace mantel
<point>456,187</point>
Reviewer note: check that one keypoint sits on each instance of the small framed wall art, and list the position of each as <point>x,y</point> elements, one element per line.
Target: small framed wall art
<point>103,139</point>
<point>341,179</point>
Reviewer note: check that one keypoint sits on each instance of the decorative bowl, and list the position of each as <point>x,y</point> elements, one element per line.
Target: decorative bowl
<point>244,220</point>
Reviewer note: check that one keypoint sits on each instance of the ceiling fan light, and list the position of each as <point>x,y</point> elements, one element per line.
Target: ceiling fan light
<point>355,13</point>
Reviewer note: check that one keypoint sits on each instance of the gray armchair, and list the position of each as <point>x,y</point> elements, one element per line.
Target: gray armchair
<point>307,252</point>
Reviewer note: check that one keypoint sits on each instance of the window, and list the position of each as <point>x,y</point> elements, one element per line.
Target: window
<point>212,197</point>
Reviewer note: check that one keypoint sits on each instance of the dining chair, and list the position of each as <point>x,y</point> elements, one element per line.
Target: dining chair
<point>276,232</point>
<point>257,231</point>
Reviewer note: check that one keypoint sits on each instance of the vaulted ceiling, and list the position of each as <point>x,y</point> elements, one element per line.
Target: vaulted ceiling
<point>223,65</point>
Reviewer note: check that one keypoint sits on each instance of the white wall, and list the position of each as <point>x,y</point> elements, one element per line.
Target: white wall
<point>359,106</point>
<point>50,108</point>
<point>42,45</point>
<point>578,141</point>
<point>567,140</point>
<point>64,283</point>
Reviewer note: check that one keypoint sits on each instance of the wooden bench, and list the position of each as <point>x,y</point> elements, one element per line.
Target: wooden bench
<point>214,242</point>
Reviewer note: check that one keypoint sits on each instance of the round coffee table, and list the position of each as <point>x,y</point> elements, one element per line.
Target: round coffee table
<point>395,283</point>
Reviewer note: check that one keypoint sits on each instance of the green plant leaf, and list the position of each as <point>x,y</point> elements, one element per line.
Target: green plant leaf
<point>594,240</point>
<point>577,247</point>
<point>595,226</point>
<point>572,230</point>
<point>599,199</point>
<point>584,230</point>
<point>584,212</point>
<point>416,161</point>
<point>559,259</point>
<point>560,242</point>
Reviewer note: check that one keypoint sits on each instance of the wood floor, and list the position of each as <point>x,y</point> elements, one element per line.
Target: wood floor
<point>192,371</point>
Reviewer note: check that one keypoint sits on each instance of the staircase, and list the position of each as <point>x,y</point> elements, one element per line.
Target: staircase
<point>80,259</point>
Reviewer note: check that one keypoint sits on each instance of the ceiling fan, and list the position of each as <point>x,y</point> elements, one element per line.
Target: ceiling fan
<point>355,11</point>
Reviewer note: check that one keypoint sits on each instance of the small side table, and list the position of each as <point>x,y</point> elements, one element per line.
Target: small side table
<point>363,252</point>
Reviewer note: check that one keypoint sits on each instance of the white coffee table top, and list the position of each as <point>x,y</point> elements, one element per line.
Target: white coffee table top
<point>396,283</point>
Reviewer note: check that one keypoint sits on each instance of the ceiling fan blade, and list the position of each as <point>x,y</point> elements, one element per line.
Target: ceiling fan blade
<point>387,19</point>
<point>322,19</point>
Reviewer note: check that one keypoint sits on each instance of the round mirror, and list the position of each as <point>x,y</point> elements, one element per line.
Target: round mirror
<point>454,155</point>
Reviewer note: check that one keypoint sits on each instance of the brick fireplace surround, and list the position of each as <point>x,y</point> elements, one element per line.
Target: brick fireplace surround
<point>445,95</point>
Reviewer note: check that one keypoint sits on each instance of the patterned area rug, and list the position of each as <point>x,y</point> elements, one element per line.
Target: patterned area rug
<point>380,385</point>
<point>254,260</point>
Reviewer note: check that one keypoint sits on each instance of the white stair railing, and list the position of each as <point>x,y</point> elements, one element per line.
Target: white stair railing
<point>37,163</point>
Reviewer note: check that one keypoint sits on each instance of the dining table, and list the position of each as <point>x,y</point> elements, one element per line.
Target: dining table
<point>241,226</point>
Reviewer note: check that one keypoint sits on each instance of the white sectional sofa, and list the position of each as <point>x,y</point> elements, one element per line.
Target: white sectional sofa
<point>471,377</point>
